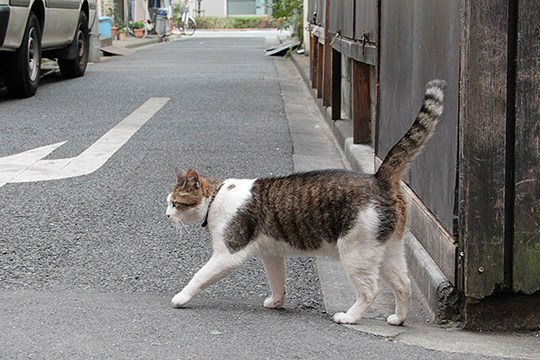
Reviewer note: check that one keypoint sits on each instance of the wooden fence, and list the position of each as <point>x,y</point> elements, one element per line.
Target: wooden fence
<point>479,177</point>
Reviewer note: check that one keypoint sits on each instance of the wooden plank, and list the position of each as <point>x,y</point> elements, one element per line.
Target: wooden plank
<point>361,107</point>
<point>355,50</point>
<point>327,61</point>
<point>320,67</point>
<point>482,123</point>
<point>526,264</point>
<point>336,85</point>
<point>312,59</point>
<point>429,232</point>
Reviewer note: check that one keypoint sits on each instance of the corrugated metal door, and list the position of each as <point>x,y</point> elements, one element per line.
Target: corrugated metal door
<point>365,26</point>
<point>316,12</point>
<point>342,18</point>
<point>352,19</point>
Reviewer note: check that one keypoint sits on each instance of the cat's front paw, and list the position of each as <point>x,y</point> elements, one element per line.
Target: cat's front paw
<point>395,320</point>
<point>343,318</point>
<point>273,303</point>
<point>179,300</point>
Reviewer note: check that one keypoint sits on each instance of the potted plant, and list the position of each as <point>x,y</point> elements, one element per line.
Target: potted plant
<point>137,27</point>
<point>111,12</point>
<point>121,31</point>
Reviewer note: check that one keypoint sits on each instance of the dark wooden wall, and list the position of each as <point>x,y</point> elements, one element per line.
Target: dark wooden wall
<point>480,174</point>
<point>526,250</point>
<point>482,190</point>
<point>499,188</point>
<point>421,42</point>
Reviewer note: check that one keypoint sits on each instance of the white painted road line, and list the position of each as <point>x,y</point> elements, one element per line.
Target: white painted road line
<point>28,166</point>
<point>13,165</point>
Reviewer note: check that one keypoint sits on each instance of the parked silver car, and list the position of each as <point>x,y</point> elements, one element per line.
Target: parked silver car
<point>34,29</point>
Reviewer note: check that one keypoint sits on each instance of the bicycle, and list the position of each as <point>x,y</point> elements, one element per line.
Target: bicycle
<point>187,24</point>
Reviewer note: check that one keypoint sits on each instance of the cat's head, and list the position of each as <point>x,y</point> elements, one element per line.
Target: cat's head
<point>188,202</point>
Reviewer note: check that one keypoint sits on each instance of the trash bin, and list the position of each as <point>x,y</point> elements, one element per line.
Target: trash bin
<point>105,32</point>
<point>162,22</point>
<point>105,24</point>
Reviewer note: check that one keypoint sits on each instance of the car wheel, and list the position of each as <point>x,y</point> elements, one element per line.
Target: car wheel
<point>72,68</point>
<point>22,67</point>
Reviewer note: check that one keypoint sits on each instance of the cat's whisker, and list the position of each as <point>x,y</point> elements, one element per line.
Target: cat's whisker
<point>180,226</point>
<point>184,227</point>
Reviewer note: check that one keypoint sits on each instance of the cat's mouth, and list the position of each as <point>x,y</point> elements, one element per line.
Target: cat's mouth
<point>177,222</point>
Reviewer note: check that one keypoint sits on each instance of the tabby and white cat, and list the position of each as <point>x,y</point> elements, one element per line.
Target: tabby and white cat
<point>357,218</point>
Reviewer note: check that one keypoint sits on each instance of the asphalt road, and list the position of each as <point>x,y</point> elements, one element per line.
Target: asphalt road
<point>88,264</point>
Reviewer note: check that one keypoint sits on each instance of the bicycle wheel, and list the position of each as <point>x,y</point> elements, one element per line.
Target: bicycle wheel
<point>190,27</point>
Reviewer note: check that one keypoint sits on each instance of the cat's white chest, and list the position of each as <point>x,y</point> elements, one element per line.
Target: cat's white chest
<point>233,194</point>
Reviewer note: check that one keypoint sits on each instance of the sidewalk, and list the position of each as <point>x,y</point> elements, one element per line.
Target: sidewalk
<point>317,146</point>
<point>130,43</point>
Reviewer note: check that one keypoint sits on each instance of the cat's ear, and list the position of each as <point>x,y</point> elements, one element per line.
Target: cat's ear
<point>180,175</point>
<point>192,179</point>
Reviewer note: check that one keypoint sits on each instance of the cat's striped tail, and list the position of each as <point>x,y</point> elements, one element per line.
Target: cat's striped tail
<point>399,158</point>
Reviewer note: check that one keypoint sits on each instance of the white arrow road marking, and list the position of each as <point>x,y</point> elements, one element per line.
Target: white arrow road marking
<point>27,166</point>
<point>11,166</point>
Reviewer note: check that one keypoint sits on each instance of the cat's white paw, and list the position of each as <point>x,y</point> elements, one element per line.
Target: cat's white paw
<point>179,300</point>
<point>343,318</point>
<point>395,320</point>
<point>273,303</point>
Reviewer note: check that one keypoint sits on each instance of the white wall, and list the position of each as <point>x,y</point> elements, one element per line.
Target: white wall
<point>214,8</point>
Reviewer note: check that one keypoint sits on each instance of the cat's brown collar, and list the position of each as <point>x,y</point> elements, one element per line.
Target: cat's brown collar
<point>205,222</point>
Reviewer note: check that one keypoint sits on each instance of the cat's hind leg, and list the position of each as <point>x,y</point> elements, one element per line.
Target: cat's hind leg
<point>362,269</point>
<point>218,267</point>
<point>275,271</point>
<point>394,273</point>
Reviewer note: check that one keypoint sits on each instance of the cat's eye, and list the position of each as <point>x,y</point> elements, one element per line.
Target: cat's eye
<point>177,205</point>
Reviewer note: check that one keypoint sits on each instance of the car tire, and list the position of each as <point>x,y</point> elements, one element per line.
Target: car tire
<point>22,67</point>
<point>72,68</point>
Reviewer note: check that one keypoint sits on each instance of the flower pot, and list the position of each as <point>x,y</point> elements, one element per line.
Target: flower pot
<point>113,32</point>
<point>121,35</point>
<point>138,33</point>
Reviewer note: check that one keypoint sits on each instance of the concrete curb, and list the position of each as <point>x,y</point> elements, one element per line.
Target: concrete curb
<point>132,42</point>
